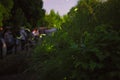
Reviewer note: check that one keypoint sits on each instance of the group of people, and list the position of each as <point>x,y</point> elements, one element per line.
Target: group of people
<point>15,40</point>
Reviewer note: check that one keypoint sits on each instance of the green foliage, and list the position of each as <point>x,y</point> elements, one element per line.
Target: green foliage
<point>87,47</point>
<point>31,12</point>
<point>5,9</point>
<point>2,9</point>
<point>53,20</point>
<point>19,17</point>
<point>21,12</point>
<point>52,54</point>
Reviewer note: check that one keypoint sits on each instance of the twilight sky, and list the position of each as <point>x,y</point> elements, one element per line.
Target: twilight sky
<point>61,6</point>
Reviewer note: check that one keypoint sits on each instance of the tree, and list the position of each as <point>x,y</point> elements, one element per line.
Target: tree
<point>2,9</point>
<point>5,6</point>
<point>30,12</point>
<point>53,19</point>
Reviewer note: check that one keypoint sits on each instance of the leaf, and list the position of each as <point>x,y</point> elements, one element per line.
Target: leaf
<point>92,65</point>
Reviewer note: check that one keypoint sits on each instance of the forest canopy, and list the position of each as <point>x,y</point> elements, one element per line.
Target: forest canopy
<point>21,13</point>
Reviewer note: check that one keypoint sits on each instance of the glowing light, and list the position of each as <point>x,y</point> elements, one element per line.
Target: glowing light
<point>75,9</point>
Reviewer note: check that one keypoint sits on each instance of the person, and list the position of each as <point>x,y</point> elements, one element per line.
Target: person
<point>1,44</point>
<point>23,37</point>
<point>9,39</point>
<point>35,33</point>
<point>3,48</point>
<point>1,32</point>
<point>9,36</point>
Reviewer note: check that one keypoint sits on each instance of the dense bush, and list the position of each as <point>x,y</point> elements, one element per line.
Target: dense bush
<point>86,49</point>
<point>59,58</point>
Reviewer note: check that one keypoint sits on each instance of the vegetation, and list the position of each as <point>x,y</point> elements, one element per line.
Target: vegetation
<point>21,13</point>
<point>53,20</point>
<point>87,47</point>
<point>5,8</point>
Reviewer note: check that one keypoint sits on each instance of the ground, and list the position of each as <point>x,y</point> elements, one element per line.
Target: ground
<point>14,67</point>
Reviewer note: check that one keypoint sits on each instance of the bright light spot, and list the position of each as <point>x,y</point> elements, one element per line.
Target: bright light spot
<point>75,9</point>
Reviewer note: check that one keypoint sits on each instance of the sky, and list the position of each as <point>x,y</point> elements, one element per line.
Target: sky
<point>60,6</point>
